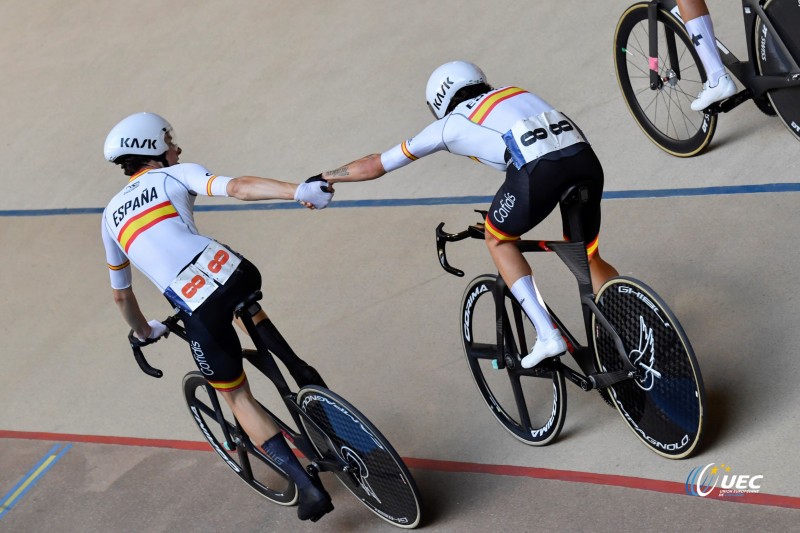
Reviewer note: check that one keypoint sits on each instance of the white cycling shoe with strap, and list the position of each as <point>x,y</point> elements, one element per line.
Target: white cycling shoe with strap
<point>544,348</point>
<point>725,88</point>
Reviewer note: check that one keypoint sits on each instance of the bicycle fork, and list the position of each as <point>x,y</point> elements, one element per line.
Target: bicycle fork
<point>674,73</point>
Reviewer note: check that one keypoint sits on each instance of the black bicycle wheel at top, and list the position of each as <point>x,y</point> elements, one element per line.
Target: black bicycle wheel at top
<point>663,114</point>
<point>248,462</point>
<point>785,16</point>
<point>377,475</point>
<point>664,404</point>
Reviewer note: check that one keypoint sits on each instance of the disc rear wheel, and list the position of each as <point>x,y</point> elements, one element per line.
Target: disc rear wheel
<point>664,404</point>
<point>374,471</point>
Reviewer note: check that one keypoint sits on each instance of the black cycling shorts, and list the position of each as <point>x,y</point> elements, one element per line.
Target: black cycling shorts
<point>531,193</point>
<point>213,340</point>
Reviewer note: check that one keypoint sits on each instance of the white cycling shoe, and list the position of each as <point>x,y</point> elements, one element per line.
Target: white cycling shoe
<point>545,348</point>
<point>724,88</point>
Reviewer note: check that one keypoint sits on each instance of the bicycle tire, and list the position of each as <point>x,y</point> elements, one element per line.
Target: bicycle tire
<point>664,115</point>
<point>264,477</point>
<point>664,405</point>
<point>785,17</point>
<point>533,414</point>
<point>378,477</point>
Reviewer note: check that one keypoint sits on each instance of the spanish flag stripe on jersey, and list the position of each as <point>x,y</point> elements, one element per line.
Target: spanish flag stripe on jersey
<point>407,153</point>
<point>119,267</point>
<point>208,185</point>
<point>144,220</point>
<point>497,234</point>
<point>485,107</point>
<point>139,174</point>
<point>225,386</point>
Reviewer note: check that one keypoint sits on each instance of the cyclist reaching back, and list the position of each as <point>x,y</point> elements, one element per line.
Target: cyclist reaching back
<point>150,224</point>
<point>542,152</point>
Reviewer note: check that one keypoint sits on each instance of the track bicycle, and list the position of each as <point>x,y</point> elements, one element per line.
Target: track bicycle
<point>332,434</point>
<point>637,355</point>
<point>660,73</point>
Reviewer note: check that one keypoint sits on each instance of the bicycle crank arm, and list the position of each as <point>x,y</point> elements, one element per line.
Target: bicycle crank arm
<point>578,379</point>
<point>730,103</point>
<point>607,379</point>
<point>552,365</point>
<point>326,465</point>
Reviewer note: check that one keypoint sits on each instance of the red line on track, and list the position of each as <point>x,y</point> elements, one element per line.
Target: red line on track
<point>667,487</point>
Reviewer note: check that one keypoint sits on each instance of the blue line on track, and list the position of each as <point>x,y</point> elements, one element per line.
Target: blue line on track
<point>447,200</point>
<point>12,497</point>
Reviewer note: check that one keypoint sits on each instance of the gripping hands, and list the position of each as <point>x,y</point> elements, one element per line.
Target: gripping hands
<point>314,191</point>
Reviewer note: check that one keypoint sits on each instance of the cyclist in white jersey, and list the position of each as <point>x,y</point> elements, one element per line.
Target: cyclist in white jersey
<point>150,224</point>
<point>542,152</point>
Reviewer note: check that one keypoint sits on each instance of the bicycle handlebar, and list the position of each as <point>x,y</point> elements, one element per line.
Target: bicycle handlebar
<point>442,238</point>
<point>137,344</point>
<point>477,231</point>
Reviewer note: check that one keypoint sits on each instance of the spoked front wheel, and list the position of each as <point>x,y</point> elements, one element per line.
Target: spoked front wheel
<point>785,16</point>
<point>374,471</point>
<point>664,112</point>
<point>531,407</point>
<point>249,462</point>
<point>664,404</point>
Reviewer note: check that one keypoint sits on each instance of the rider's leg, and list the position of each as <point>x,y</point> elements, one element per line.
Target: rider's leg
<point>255,422</point>
<point>698,23</point>
<point>517,274</point>
<point>314,500</point>
<point>302,372</point>
<point>600,270</point>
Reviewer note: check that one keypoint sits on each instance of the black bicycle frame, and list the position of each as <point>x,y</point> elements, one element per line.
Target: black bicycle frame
<point>261,359</point>
<point>745,71</point>
<point>574,256</point>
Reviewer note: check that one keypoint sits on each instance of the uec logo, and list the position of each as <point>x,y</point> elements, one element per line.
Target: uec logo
<point>702,480</point>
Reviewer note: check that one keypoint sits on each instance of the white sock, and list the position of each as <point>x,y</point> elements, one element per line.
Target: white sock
<point>526,293</point>
<point>701,31</point>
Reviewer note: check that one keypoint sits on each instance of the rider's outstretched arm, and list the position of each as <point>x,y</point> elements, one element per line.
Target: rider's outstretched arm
<point>255,188</point>
<point>248,188</point>
<point>366,168</point>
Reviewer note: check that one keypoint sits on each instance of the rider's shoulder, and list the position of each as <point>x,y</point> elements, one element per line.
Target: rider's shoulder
<point>189,170</point>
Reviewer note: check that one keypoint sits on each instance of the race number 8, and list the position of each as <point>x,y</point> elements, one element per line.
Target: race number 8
<point>191,288</point>
<point>538,134</point>
<point>220,258</point>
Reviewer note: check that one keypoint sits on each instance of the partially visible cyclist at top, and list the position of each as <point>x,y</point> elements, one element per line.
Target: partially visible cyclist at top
<point>542,155</point>
<point>150,224</point>
<point>718,85</point>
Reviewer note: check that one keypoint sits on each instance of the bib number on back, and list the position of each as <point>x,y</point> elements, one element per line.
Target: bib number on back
<point>201,278</point>
<point>532,137</point>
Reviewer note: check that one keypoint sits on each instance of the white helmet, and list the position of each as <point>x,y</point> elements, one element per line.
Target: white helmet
<point>447,80</point>
<point>138,134</point>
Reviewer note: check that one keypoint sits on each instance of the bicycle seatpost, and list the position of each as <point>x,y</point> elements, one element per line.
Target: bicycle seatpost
<point>574,253</point>
<point>245,311</point>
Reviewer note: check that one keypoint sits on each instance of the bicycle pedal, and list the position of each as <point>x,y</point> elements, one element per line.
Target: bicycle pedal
<point>495,364</point>
<point>228,446</point>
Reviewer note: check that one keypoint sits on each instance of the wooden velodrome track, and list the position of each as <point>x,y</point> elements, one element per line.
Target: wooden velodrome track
<point>88,443</point>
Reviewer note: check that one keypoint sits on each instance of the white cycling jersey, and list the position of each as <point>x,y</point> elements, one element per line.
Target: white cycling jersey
<point>474,129</point>
<point>150,223</point>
